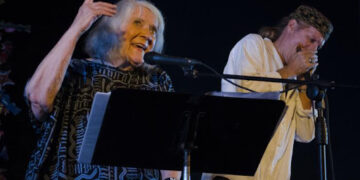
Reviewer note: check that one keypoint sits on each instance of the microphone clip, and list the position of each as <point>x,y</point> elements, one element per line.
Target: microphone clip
<point>189,71</point>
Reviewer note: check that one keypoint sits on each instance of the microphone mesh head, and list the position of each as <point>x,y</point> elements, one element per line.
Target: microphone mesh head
<point>148,57</point>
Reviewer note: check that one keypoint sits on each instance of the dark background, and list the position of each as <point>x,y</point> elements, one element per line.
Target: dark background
<point>204,30</point>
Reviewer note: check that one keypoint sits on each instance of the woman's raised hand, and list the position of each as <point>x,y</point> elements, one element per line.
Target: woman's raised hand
<point>90,11</point>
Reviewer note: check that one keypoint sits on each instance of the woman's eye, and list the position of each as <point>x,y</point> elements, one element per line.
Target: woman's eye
<point>137,22</point>
<point>153,30</point>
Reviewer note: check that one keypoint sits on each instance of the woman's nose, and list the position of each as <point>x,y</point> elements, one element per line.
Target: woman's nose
<point>147,34</point>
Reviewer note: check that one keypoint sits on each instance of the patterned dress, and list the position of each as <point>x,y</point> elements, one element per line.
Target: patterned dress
<point>62,132</point>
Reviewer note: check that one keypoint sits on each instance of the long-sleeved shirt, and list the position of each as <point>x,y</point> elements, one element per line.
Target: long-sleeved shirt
<point>255,56</point>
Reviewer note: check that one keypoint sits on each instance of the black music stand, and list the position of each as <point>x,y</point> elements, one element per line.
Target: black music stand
<point>149,129</point>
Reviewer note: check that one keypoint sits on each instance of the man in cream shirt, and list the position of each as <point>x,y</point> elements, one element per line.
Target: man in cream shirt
<point>287,51</point>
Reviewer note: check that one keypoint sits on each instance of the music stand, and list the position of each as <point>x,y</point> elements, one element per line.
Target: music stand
<point>147,129</point>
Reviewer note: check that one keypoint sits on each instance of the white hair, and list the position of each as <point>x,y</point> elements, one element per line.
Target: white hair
<point>103,38</point>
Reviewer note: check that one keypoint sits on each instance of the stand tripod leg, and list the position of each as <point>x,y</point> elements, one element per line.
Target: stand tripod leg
<point>322,140</point>
<point>323,173</point>
<point>186,175</point>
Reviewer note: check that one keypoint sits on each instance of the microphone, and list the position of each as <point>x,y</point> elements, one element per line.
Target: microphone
<point>156,58</point>
<point>313,91</point>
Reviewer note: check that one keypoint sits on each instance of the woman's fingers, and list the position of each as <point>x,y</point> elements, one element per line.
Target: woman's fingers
<point>102,10</point>
<point>90,11</point>
<point>105,4</point>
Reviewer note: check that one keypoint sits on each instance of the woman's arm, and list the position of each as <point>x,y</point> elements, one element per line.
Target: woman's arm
<point>47,79</point>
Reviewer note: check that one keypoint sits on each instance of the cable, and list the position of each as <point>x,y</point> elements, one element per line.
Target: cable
<point>286,90</point>
<point>226,79</point>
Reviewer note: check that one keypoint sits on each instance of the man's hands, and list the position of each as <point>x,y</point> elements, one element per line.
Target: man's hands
<point>299,63</point>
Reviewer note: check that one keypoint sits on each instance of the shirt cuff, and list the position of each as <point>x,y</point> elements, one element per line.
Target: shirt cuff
<point>306,112</point>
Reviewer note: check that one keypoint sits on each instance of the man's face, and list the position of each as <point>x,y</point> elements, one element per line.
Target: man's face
<point>138,35</point>
<point>308,38</point>
<point>300,37</point>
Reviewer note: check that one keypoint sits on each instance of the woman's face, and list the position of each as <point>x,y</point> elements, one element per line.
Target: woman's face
<point>138,35</point>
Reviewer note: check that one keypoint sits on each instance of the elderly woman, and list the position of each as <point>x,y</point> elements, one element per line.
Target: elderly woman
<point>62,88</point>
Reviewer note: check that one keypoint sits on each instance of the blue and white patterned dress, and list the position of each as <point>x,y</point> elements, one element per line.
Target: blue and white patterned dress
<point>61,133</point>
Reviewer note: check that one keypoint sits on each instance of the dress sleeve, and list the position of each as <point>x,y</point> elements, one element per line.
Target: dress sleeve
<point>164,80</point>
<point>167,83</point>
<point>63,93</point>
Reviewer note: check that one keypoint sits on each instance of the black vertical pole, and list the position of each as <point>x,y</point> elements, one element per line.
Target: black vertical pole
<point>321,134</point>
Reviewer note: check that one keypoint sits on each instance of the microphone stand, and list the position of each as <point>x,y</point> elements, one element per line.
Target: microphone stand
<point>322,138</point>
<point>317,94</point>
